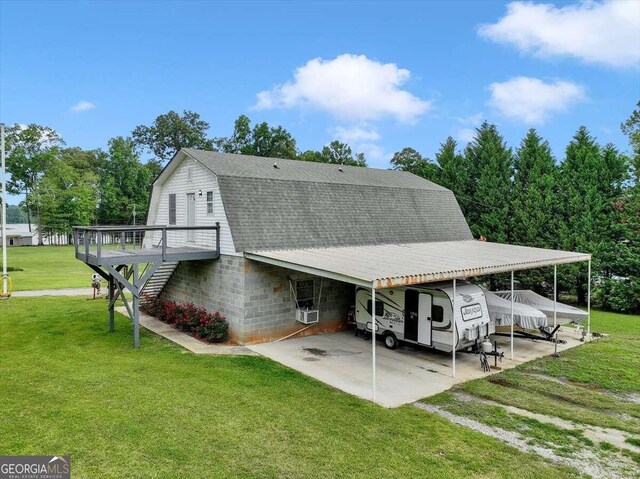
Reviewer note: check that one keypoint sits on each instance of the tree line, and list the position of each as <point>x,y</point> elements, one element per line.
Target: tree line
<point>588,200</point>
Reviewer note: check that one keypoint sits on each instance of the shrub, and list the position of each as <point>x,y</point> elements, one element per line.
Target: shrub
<point>213,328</point>
<point>187,317</point>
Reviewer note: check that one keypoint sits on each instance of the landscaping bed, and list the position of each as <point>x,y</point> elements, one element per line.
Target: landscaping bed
<point>188,318</point>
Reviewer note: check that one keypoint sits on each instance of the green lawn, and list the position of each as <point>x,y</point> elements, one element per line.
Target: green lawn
<point>596,384</point>
<point>46,267</point>
<point>71,387</point>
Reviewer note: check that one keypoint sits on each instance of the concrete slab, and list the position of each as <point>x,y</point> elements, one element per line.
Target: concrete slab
<point>186,341</point>
<point>403,376</point>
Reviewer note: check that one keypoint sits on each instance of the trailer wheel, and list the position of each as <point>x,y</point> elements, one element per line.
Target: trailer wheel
<point>390,341</point>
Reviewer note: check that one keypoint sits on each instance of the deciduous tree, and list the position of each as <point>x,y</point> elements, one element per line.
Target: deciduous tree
<point>124,184</point>
<point>408,159</point>
<point>30,151</point>
<point>170,132</point>
<point>261,140</point>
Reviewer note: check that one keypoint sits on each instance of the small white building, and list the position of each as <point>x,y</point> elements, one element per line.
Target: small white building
<point>18,237</point>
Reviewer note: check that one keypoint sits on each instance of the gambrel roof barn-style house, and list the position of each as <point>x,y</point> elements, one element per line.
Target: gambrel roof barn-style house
<point>283,247</point>
<point>296,233</point>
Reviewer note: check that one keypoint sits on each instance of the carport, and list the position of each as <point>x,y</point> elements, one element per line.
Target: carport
<point>388,265</point>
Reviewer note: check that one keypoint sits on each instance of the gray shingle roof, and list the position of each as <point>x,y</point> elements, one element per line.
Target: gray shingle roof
<point>307,205</point>
<point>244,166</point>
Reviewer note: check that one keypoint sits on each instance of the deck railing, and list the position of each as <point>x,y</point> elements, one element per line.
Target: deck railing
<point>94,241</point>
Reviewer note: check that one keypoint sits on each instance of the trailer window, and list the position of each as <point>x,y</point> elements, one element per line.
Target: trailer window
<point>437,314</point>
<point>379,308</point>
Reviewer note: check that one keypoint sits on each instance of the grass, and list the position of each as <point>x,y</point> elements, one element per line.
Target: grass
<point>46,267</point>
<point>563,441</point>
<point>71,387</point>
<point>590,385</point>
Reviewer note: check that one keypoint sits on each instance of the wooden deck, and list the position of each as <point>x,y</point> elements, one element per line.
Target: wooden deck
<point>119,245</point>
<point>147,255</point>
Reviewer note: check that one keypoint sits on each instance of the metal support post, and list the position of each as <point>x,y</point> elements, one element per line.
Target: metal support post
<point>373,341</point>
<point>589,303</point>
<point>512,299</point>
<point>5,280</point>
<point>453,331</point>
<point>555,301</point>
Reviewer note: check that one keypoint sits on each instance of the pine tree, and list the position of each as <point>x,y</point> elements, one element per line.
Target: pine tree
<point>489,162</point>
<point>534,193</point>
<point>454,173</point>
<point>533,219</point>
<point>586,207</point>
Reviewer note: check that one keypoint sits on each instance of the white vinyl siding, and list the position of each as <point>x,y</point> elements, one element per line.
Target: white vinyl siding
<point>202,180</point>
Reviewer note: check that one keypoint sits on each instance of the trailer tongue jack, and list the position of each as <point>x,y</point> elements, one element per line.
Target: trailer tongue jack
<point>484,356</point>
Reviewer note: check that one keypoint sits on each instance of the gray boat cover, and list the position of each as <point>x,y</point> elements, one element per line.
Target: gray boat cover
<point>564,312</point>
<point>525,316</point>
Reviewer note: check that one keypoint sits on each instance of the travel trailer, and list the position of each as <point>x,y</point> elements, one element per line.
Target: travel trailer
<point>423,315</point>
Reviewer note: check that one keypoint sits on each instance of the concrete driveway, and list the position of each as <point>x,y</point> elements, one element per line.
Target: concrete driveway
<point>403,376</point>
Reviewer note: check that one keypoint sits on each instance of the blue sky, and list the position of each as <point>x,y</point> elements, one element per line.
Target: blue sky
<point>380,75</point>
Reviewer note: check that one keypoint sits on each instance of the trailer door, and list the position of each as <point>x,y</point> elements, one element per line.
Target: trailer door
<point>424,319</point>
<point>411,315</point>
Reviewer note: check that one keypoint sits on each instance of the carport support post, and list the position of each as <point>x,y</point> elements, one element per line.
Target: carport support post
<point>555,294</point>
<point>511,314</point>
<point>453,331</point>
<point>555,301</point>
<point>589,303</point>
<point>373,341</point>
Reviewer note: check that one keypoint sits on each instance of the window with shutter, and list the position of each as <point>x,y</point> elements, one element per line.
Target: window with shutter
<point>209,202</point>
<point>172,209</point>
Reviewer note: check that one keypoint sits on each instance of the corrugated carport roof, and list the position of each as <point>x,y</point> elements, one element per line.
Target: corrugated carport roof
<point>414,263</point>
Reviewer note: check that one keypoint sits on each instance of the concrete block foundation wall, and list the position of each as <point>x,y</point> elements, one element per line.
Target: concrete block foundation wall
<point>256,298</point>
<point>215,285</point>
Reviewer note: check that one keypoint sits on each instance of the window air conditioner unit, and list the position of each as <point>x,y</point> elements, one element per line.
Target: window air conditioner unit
<point>307,316</point>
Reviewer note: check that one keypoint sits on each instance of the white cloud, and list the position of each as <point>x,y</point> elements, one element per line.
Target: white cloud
<point>355,134</point>
<point>350,87</point>
<point>375,155</point>
<point>472,120</point>
<point>596,32</point>
<point>83,106</point>
<point>531,100</point>
<point>466,135</point>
